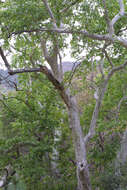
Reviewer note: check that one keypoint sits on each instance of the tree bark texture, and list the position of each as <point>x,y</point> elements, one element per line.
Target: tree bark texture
<point>80,147</point>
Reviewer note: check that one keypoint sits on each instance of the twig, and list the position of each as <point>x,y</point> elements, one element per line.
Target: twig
<point>107,57</point>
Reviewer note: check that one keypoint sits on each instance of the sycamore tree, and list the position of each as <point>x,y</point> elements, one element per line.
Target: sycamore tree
<point>35,33</point>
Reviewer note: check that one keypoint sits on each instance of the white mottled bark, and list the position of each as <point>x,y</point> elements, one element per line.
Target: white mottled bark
<point>80,148</point>
<point>55,153</point>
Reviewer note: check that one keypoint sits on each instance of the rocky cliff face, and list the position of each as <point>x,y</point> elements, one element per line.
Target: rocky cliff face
<point>7,81</point>
<point>68,66</point>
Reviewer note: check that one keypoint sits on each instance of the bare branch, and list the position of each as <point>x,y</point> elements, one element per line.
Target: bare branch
<point>117,17</point>
<point>73,71</point>
<point>107,57</point>
<point>121,4</point>
<point>67,31</point>
<point>29,70</point>
<point>85,33</point>
<point>50,13</point>
<point>114,69</point>
<point>106,54</point>
<point>4,58</point>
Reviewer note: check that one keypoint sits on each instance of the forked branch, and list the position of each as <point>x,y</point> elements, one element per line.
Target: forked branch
<point>117,17</point>
<point>101,93</point>
<point>50,13</point>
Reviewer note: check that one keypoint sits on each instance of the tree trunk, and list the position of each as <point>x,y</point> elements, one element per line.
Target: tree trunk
<point>80,147</point>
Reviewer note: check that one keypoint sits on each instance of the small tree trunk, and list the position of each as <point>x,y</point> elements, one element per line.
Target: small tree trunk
<point>122,153</point>
<point>77,134</point>
<point>55,154</point>
<point>80,147</point>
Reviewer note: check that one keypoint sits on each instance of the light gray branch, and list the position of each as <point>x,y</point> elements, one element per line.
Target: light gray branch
<point>117,17</point>
<point>101,93</point>
<point>107,57</point>
<point>85,33</point>
<point>50,13</point>
<point>44,49</point>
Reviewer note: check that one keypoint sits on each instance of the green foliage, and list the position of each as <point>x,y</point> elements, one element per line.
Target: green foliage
<point>30,116</point>
<point>29,119</point>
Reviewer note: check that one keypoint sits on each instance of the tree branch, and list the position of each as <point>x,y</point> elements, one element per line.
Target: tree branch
<point>85,33</point>
<point>51,78</point>
<point>4,58</point>
<point>100,37</point>
<point>50,13</point>
<point>29,70</point>
<point>107,57</point>
<point>101,93</point>
<point>106,15</point>
<point>45,51</point>
<point>117,17</point>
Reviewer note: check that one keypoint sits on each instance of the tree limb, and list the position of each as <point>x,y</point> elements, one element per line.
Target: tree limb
<point>117,17</point>
<point>85,33</point>
<point>107,57</point>
<point>4,58</point>
<point>50,13</point>
<point>100,37</point>
<point>106,14</point>
<point>51,78</point>
<point>101,94</point>
<point>29,70</point>
<point>45,51</point>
